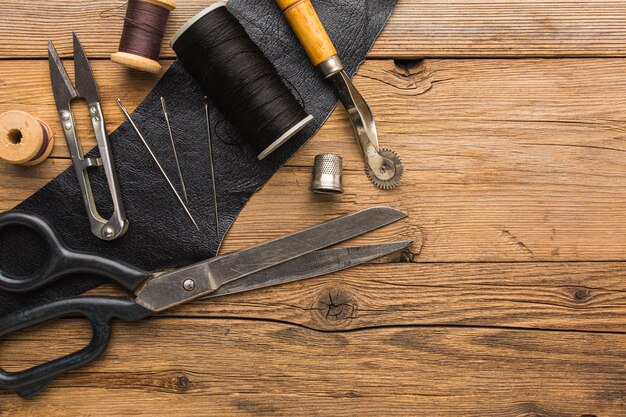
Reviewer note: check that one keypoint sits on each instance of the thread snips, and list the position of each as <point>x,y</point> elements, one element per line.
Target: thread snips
<point>64,93</point>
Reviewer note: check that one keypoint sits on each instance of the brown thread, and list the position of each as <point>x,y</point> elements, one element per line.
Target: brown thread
<point>44,143</point>
<point>144,28</point>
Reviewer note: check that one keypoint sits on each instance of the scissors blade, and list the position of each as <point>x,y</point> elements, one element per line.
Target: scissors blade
<point>312,265</point>
<point>85,81</point>
<point>257,258</point>
<point>173,288</point>
<point>62,87</point>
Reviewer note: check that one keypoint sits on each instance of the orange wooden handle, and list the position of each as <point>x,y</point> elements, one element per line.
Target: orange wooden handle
<point>308,28</point>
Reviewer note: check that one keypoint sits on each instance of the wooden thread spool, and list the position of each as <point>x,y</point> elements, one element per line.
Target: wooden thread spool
<point>24,139</point>
<point>144,28</point>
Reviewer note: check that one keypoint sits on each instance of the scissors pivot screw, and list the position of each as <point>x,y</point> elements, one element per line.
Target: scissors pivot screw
<point>189,285</point>
<point>108,232</point>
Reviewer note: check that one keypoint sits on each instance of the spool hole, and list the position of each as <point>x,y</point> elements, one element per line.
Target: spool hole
<point>14,136</point>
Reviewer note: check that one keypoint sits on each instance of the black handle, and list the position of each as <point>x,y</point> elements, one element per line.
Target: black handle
<point>98,310</point>
<point>63,261</point>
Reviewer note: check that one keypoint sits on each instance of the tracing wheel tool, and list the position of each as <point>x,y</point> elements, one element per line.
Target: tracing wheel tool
<point>383,166</point>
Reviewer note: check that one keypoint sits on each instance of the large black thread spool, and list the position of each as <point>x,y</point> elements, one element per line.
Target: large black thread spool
<point>232,70</point>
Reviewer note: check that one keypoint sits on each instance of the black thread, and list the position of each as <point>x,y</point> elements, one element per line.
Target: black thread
<point>238,78</point>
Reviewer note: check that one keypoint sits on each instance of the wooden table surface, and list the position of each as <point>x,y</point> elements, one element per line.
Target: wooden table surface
<point>512,302</point>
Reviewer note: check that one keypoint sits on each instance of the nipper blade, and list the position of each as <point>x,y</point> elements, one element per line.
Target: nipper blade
<point>85,81</point>
<point>62,88</point>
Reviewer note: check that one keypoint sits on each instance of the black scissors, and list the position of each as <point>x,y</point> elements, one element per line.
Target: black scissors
<point>291,258</point>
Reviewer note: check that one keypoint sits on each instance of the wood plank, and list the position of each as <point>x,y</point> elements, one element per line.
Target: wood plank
<point>506,160</point>
<point>446,226</point>
<point>559,296</point>
<point>503,28</point>
<point>440,97</point>
<point>417,28</point>
<point>241,367</point>
<point>435,95</point>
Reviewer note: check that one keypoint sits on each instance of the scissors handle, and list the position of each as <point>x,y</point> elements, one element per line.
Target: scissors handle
<point>98,310</point>
<point>61,261</point>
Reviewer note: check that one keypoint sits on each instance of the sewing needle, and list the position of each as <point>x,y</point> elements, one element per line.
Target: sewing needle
<point>208,127</point>
<point>169,129</point>
<point>130,120</point>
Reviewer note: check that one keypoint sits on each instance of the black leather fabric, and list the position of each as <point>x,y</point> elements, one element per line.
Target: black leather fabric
<point>160,234</point>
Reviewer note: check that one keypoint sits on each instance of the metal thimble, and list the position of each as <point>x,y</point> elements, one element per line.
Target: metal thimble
<point>327,174</point>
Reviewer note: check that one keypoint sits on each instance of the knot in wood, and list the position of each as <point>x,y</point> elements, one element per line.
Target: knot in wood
<point>335,306</point>
<point>581,294</point>
<point>181,383</point>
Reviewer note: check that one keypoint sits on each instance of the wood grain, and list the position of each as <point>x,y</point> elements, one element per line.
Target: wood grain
<point>252,367</point>
<point>495,101</point>
<point>417,28</point>
<point>586,296</point>
<point>511,302</point>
